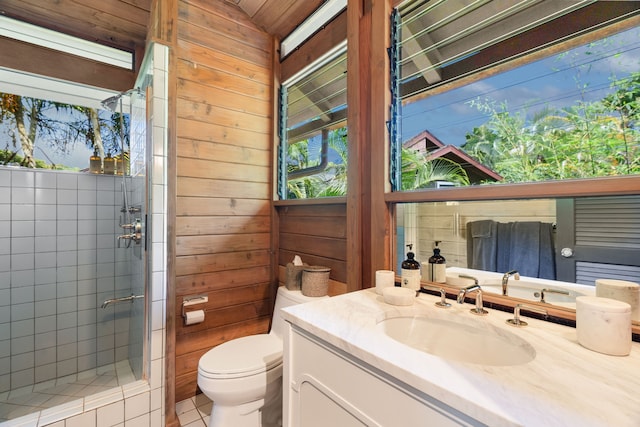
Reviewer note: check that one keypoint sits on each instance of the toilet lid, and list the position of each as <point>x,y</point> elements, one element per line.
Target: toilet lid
<point>242,357</point>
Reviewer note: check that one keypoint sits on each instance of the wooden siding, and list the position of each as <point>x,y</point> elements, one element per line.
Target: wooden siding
<point>223,214</point>
<point>317,233</point>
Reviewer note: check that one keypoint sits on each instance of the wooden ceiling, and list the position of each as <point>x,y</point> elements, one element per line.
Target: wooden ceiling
<point>116,23</point>
<point>278,17</point>
<point>123,23</point>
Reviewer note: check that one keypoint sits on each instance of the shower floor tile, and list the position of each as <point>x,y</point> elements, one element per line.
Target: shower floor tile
<point>52,393</point>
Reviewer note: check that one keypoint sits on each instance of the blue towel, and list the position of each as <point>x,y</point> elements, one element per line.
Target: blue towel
<point>481,245</point>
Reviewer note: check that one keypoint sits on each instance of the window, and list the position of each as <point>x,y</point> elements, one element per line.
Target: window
<point>313,131</point>
<point>518,91</point>
<point>63,122</point>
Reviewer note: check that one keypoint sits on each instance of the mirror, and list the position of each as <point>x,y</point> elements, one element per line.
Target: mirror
<point>557,244</point>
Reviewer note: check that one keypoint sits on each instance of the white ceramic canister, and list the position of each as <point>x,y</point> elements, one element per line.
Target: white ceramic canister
<point>604,325</point>
<point>621,290</point>
<point>384,279</point>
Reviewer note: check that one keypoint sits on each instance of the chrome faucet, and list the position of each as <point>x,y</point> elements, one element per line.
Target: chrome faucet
<point>479,310</point>
<point>505,280</point>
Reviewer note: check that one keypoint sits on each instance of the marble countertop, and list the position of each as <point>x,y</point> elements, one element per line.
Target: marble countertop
<point>565,385</point>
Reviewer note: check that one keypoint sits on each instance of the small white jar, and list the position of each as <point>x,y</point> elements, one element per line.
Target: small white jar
<point>604,325</point>
<point>621,290</point>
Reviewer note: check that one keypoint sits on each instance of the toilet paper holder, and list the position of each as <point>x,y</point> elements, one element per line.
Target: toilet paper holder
<point>193,300</point>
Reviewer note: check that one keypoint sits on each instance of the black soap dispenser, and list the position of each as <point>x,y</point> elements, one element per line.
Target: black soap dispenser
<point>410,272</point>
<point>437,266</point>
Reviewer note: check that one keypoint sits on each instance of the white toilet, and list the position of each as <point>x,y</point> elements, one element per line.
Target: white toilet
<point>243,377</point>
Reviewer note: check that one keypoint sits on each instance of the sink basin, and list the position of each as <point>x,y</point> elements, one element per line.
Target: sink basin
<point>457,341</point>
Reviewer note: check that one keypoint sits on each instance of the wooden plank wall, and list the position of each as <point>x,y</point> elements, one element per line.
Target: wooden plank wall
<point>318,233</point>
<point>223,210</point>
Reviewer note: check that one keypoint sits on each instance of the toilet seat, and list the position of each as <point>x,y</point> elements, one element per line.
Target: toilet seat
<point>242,357</point>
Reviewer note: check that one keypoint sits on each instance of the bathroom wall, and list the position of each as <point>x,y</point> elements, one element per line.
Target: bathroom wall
<point>58,262</point>
<point>223,204</point>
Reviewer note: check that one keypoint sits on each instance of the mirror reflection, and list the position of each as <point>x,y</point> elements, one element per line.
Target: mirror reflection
<point>554,249</point>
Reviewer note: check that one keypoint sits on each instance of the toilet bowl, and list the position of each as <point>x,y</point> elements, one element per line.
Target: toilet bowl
<point>243,377</point>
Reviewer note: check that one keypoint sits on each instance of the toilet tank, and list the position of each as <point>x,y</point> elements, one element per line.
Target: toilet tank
<point>286,298</point>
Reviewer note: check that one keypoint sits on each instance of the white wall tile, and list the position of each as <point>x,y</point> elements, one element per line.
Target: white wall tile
<point>45,308</point>
<point>45,196</point>
<point>46,260</point>
<point>22,278</point>
<point>44,275</point>
<point>45,244</point>
<point>22,295</point>
<point>22,311</point>
<point>87,419</point>
<point>23,228</point>
<point>45,356</point>
<point>87,182</point>
<point>136,406</point>
<point>24,212</point>
<point>5,212</point>
<point>42,228</point>
<point>111,415</point>
<point>67,197</point>
<point>67,212</point>
<point>66,320</point>
<point>46,179</point>
<point>67,181</point>
<point>45,324</point>
<point>22,196</point>
<point>5,178</point>
<point>87,197</point>
<point>22,262</point>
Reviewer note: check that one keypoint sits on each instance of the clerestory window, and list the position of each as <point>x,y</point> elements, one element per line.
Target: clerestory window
<point>514,91</point>
<point>313,131</point>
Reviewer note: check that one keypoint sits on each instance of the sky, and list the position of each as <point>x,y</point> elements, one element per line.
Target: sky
<point>554,81</point>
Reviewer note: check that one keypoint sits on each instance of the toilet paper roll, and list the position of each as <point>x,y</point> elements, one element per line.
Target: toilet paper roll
<point>193,317</point>
<point>621,290</point>
<point>384,279</point>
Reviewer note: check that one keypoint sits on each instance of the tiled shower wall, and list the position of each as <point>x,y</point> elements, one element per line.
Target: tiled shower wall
<point>58,263</point>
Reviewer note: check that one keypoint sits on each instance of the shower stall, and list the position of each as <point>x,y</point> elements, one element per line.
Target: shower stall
<point>75,278</point>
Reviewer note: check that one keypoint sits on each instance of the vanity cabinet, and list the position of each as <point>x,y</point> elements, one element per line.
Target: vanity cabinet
<point>325,386</point>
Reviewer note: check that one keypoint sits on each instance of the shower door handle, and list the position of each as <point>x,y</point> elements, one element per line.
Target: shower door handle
<point>122,299</point>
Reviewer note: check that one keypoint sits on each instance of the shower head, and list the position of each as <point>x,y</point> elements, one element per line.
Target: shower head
<point>112,102</point>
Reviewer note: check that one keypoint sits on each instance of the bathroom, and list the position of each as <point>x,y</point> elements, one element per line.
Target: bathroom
<point>225,235</point>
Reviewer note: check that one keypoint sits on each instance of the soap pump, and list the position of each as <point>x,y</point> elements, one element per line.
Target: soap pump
<point>437,270</point>
<point>95,162</point>
<point>410,273</point>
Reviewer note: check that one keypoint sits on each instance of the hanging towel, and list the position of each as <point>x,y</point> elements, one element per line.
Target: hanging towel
<point>503,247</point>
<point>481,245</point>
<point>547,268</point>
<point>524,248</point>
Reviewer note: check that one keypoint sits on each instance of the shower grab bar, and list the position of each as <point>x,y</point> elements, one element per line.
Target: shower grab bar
<point>122,299</point>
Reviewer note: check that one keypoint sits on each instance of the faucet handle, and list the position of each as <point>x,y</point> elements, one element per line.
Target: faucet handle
<point>443,296</point>
<point>516,314</point>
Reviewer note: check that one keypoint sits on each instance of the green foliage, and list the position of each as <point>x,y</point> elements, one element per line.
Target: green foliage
<point>417,170</point>
<point>329,182</point>
<point>420,172</point>
<point>588,139</point>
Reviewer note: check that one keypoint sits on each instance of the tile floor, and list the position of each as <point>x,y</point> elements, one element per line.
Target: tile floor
<point>56,392</point>
<point>195,411</point>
